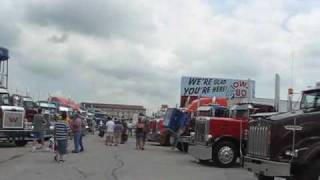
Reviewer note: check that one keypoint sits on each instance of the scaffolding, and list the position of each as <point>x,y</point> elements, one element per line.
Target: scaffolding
<point>4,67</point>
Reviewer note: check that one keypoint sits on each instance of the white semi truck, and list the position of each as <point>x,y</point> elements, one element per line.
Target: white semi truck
<point>13,126</point>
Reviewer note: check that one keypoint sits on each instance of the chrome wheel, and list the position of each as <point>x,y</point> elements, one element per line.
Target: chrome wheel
<point>226,155</point>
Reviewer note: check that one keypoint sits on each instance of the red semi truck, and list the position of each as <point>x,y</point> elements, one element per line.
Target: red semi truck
<point>155,128</point>
<point>220,139</point>
<point>171,119</point>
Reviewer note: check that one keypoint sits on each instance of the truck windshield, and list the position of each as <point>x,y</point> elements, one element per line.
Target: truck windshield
<point>205,113</point>
<point>47,110</point>
<point>219,112</point>
<point>29,104</point>
<point>99,115</point>
<point>4,99</point>
<point>240,114</point>
<point>168,116</point>
<point>310,100</point>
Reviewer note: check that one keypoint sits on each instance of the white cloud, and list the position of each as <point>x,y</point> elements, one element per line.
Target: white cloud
<point>136,51</point>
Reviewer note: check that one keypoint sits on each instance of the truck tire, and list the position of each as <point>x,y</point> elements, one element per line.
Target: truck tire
<point>262,177</point>
<point>183,147</point>
<point>179,146</point>
<point>21,143</point>
<point>225,154</point>
<point>165,140</point>
<point>311,172</point>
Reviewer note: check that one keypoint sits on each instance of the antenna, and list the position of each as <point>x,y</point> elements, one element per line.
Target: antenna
<point>290,90</point>
<point>39,95</point>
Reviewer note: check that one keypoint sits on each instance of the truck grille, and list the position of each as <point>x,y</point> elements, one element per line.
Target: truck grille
<point>258,142</point>
<point>201,130</point>
<point>12,119</point>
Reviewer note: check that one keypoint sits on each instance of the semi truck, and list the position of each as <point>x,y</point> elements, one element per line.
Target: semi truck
<point>219,134</point>
<point>13,126</point>
<point>155,128</point>
<point>30,107</point>
<point>27,103</point>
<point>180,122</point>
<point>286,145</point>
<point>173,121</point>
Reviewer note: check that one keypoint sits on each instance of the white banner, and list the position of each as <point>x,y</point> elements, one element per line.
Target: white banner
<point>217,87</point>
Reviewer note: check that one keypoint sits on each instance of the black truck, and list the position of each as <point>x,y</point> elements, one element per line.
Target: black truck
<point>286,145</point>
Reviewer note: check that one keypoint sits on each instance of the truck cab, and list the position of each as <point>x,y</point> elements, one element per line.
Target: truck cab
<point>12,121</point>
<point>219,135</point>
<point>30,107</point>
<point>172,122</point>
<point>50,113</point>
<point>287,145</point>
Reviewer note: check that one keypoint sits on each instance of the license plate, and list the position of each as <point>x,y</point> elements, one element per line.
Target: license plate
<point>279,178</point>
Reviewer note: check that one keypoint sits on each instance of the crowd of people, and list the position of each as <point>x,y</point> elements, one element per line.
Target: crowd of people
<point>72,127</point>
<point>117,132</point>
<point>64,128</point>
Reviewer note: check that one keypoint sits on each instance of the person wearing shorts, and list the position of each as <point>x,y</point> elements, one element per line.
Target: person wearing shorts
<point>110,132</point>
<point>117,132</point>
<point>38,128</point>
<point>140,134</point>
<point>61,130</point>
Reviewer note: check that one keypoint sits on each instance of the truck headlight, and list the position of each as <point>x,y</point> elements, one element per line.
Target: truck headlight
<point>209,136</point>
<point>51,127</point>
<point>292,153</point>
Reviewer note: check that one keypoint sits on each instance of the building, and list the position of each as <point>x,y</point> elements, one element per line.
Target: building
<point>117,110</point>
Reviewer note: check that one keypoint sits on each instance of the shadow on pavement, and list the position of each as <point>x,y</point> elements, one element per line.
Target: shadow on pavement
<point>8,145</point>
<point>212,164</point>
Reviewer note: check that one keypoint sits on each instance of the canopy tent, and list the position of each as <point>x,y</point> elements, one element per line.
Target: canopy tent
<point>193,106</point>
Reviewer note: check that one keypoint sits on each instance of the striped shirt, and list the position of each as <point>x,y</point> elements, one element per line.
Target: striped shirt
<point>61,130</point>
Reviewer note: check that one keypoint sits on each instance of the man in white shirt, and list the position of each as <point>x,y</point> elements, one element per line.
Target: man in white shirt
<point>130,127</point>
<point>109,132</point>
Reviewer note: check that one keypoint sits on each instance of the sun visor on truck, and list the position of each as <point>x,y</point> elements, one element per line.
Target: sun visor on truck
<point>4,54</point>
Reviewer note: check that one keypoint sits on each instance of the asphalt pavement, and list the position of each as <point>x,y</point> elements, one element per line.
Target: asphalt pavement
<point>100,162</point>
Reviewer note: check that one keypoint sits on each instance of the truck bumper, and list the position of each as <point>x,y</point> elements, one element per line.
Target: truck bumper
<point>153,137</point>
<point>15,135</point>
<point>200,151</point>
<point>267,168</point>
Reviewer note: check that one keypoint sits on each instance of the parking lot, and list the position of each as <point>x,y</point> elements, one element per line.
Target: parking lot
<point>111,163</point>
